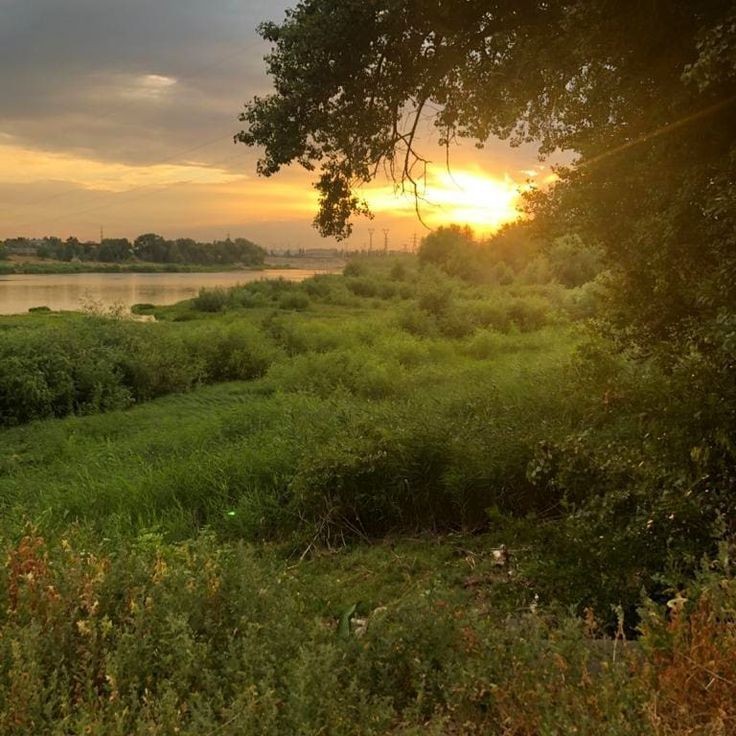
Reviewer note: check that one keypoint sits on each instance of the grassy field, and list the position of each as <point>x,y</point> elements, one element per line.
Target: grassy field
<point>385,502</point>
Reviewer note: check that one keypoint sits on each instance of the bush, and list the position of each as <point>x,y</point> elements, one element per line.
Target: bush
<point>417,322</point>
<point>358,371</point>
<point>529,314</point>
<point>435,297</point>
<point>490,313</point>
<point>97,364</point>
<point>238,352</point>
<point>363,286</point>
<point>353,268</point>
<point>211,300</point>
<point>398,271</point>
<point>294,301</point>
<point>572,262</point>
<point>327,288</point>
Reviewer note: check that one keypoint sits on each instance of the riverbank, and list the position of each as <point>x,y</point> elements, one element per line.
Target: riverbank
<point>121,290</point>
<point>36,266</point>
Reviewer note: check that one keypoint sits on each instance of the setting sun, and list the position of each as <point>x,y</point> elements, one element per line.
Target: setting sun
<point>473,199</point>
<point>463,196</point>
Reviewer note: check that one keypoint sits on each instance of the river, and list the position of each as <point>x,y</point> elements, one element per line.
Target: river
<point>21,292</point>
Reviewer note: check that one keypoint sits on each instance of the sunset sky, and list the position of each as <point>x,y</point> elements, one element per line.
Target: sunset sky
<point>121,115</point>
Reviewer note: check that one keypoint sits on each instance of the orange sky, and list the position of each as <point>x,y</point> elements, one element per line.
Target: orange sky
<point>71,194</point>
<point>132,131</point>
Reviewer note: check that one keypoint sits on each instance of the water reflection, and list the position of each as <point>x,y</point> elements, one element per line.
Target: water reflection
<point>20,292</point>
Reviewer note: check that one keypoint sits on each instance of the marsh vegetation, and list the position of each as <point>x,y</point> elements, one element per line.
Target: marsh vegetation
<point>486,489</point>
<point>281,485</point>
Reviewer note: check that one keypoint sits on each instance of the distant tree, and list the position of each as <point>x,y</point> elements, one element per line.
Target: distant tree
<point>45,251</point>
<point>151,247</point>
<point>445,244</point>
<point>571,262</point>
<point>115,250</point>
<point>90,251</point>
<point>17,244</point>
<point>185,250</point>
<point>496,260</point>
<point>515,244</point>
<point>248,252</point>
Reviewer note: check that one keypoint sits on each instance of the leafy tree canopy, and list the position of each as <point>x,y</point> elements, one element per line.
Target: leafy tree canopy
<point>642,93</point>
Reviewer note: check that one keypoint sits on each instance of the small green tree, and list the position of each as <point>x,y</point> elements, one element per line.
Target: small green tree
<point>445,245</point>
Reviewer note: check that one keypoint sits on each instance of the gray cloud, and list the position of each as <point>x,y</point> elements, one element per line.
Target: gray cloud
<point>81,75</point>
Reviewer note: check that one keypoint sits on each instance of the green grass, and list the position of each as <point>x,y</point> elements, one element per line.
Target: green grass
<point>311,549</point>
<point>184,461</point>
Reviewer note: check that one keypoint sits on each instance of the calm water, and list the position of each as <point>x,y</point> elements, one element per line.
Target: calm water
<point>18,293</point>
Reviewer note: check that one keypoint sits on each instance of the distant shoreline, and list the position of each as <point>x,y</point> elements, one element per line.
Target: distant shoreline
<point>39,267</point>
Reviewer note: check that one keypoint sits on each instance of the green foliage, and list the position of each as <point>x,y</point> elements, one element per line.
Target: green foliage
<point>452,249</point>
<point>146,249</point>
<point>572,263</point>
<point>205,637</point>
<point>294,301</point>
<point>462,408</point>
<point>514,253</point>
<point>354,268</point>
<point>628,89</point>
<point>89,364</point>
<point>211,300</point>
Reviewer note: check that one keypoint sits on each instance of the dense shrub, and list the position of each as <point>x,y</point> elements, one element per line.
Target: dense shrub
<point>572,262</point>
<point>328,289</point>
<point>211,300</point>
<point>529,314</point>
<point>358,371</point>
<point>514,252</point>
<point>354,268</point>
<point>96,364</point>
<point>295,301</point>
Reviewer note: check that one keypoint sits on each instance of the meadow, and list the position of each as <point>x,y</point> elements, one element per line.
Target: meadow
<point>455,505</point>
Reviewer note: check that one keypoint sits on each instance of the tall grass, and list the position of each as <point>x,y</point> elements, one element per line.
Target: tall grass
<point>205,638</point>
<point>183,557</point>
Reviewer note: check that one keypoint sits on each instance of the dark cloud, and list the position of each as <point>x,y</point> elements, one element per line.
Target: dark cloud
<point>135,80</point>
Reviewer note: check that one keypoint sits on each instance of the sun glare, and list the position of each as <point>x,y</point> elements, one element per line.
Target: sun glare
<point>463,197</point>
<point>474,199</point>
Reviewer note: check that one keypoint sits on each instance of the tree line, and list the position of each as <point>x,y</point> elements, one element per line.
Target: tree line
<point>148,247</point>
